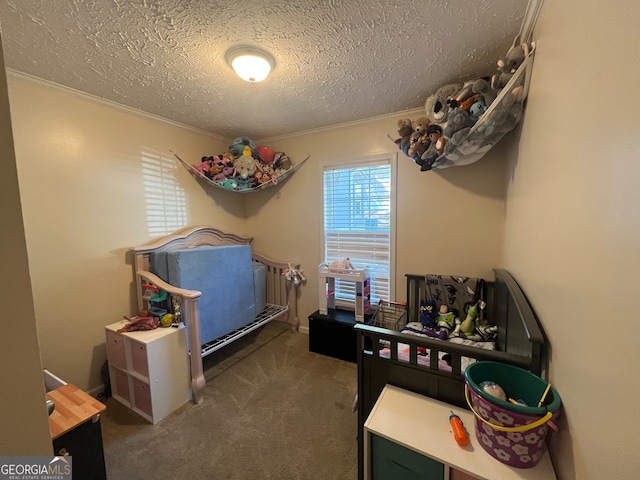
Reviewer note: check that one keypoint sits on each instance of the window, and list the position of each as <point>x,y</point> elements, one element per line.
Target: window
<point>165,201</point>
<point>359,224</point>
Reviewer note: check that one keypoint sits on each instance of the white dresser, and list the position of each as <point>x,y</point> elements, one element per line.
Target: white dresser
<point>409,436</point>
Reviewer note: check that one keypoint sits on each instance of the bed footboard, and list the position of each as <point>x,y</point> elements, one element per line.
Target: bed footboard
<point>281,295</point>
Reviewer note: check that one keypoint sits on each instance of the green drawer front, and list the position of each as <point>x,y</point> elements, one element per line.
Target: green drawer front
<point>391,461</point>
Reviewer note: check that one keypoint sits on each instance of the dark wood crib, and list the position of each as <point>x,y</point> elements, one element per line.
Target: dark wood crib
<point>520,341</point>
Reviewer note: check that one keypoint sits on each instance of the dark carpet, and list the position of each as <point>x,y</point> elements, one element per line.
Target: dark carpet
<point>272,410</point>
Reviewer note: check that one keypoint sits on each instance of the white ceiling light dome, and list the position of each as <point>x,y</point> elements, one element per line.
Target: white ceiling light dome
<point>250,63</point>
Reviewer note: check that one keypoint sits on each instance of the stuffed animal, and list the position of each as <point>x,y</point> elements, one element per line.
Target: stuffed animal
<point>483,88</point>
<point>436,147</point>
<point>505,115</point>
<point>420,125</point>
<point>265,153</point>
<point>239,143</point>
<point>229,183</point>
<point>437,105</point>
<point>508,64</point>
<point>445,324</point>
<point>416,147</point>
<point>468,325</point>
<point>428,313</point>
<point>226,172</point>
<point>204,166</point>
<point>477,110</point>
<point>405,129</point>
<point>458,119</point>
<point>245,164</point>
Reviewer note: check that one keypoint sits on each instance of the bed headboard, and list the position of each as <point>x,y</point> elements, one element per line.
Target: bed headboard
<point>519,332</point>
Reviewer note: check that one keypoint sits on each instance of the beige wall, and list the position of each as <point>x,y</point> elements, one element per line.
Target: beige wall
<point>85,201</point>
<point>572,230</point>
<point>447,221</point>
<point>569,232</point>
<point>23,414</point>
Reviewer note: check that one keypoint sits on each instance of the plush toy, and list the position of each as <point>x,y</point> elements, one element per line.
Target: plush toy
<point>239,143</point>
<point>245,164</point>
<point>226,172</point>
<point>281,160</point>
<point>458,119</point>
<point>229,183</point>
<point>228,157</point>
<point>214,171</point>
<point>445,324</point>
<point>505,114</point>
<point>294,275</point>
<point>508,64</point>
<point>420,125</point>
<point>265,153</point>
<point>477,110</point>
<point>484,90</point>
<point>436,147</point>
<point>204,166</point>
<point>437,105</point>
<point>416,147</point>
<point>405,129</point>
<point>428,313</point>
<point>468,325</point>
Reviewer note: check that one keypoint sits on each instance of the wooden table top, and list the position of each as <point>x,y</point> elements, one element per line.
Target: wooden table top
<point>73,407</point>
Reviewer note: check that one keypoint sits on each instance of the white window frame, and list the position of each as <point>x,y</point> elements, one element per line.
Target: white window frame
<point>392,160</point>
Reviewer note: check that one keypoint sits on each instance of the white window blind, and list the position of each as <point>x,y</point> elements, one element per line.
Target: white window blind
<point>357,224</point>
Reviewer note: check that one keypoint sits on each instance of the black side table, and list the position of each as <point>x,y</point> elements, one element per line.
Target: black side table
<point>333,334</point>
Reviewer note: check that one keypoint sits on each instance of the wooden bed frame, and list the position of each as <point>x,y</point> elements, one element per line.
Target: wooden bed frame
<point>520,342</point>
<point>281,294</point>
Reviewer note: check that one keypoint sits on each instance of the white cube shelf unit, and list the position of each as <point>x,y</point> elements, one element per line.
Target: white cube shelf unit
<point>327,285</point>
<point>149,369</point>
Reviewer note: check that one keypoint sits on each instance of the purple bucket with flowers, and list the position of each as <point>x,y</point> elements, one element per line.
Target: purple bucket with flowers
<point>513,431</point>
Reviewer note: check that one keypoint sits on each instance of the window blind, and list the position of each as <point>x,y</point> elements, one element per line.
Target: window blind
<point>357,224</point>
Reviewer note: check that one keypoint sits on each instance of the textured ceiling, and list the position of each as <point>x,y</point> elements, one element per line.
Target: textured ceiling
<point>336,60</point>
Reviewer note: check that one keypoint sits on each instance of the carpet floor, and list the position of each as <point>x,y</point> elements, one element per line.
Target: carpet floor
<point>272,410</point>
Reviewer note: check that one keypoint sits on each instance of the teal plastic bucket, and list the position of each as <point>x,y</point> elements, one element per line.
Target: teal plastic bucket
<point>512,433</point>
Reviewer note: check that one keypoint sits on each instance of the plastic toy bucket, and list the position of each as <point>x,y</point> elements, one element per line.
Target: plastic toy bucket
<point>514,434</point>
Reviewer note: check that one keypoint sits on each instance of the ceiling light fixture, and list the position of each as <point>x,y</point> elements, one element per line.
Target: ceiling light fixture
<point>250,63</point>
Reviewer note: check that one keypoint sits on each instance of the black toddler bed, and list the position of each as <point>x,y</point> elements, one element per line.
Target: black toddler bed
<point>519,341</point>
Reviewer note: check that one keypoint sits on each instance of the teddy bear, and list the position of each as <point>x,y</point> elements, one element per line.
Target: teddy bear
<point>508,64</point>
<point>437,105</point>
<point>420,125</point>
<point>405,129</point>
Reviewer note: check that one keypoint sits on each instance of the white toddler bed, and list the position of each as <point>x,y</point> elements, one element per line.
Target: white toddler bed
<point>281,295</point>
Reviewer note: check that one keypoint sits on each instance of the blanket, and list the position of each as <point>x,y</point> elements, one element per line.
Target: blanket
<point>424,357</point>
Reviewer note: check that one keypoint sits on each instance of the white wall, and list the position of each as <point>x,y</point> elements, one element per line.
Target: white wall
<point>86,200</point>
<point>23,414</point>
<point>572,230</point>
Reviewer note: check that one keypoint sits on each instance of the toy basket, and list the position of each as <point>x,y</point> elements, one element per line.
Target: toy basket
<point>390,315</point>
<point>515,434</point>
